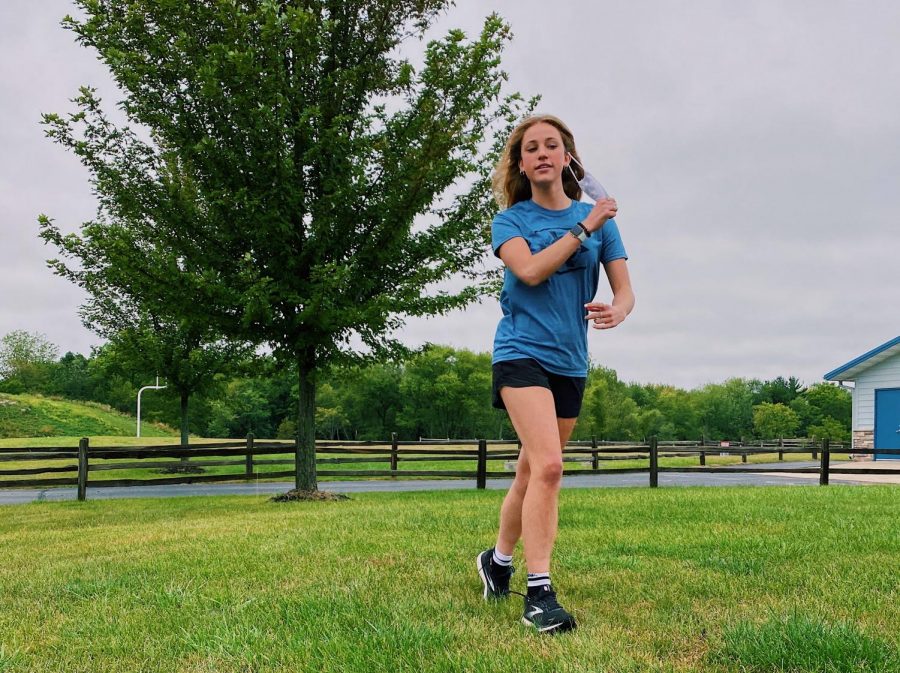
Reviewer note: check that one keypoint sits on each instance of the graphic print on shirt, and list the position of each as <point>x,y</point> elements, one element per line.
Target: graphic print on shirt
<point>540,239</point>
<point>546,321</point>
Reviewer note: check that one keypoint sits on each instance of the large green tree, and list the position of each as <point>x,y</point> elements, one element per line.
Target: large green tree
<point>831,400</point>
<point>608,411</point>
<point>371,399</point>
<point>187,351</point>
<point>725,410</point>
<point>25,358</point>
<point>773,421</point>
<point>446,393</point>
<point>316,186</point>
<point>779,390</point>
<point>187,355</point>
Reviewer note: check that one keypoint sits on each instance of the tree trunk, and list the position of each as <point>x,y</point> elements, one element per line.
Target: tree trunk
<point>306,423</point>
<point>184,424</point>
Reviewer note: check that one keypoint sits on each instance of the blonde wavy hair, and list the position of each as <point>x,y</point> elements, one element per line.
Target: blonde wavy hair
<point>510,186</point>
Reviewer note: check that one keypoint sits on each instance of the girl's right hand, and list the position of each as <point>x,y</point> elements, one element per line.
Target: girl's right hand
<point>603,210</point>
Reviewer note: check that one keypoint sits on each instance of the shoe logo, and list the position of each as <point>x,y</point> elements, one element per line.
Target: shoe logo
<point>535,611</point>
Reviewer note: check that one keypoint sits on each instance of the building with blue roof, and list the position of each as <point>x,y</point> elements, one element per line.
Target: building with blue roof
<point>876,397</point>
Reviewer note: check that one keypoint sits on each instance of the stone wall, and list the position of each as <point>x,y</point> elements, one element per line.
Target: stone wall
<point>863,439</point>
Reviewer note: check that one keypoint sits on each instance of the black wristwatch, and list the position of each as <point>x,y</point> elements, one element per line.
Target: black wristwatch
<point>580,232</point>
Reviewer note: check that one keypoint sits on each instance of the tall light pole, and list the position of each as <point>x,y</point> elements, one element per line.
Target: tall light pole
<point>156,387</point>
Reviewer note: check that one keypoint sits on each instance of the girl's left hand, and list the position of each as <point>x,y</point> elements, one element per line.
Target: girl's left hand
<point>604,316</point>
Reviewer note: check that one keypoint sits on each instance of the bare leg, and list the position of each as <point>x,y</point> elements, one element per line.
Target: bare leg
<point>511,511</point>
<point>530,508</point>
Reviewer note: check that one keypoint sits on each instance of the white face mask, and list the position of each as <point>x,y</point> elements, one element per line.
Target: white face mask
<point>589,184</point>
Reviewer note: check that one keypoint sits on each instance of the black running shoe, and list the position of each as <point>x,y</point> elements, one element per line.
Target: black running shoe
<point>494,577</point>
<point>545,614</point>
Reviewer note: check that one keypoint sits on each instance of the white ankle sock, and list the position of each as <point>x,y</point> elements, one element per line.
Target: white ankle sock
<point>501,559</point>
<point>537,580</point>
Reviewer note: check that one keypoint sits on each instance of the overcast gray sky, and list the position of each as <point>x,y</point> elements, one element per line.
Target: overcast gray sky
<point>753,147</point>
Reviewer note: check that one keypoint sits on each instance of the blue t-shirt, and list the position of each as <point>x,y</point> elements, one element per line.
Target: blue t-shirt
<point>546,322</point>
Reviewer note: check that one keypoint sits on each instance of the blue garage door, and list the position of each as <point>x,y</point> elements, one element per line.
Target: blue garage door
<point>887,421</point>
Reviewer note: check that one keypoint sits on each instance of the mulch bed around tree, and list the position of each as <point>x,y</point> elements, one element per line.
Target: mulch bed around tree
<point>295,494</point>
<point>181,469</point>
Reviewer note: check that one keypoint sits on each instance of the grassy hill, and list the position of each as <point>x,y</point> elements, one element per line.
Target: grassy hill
<point>37,416</point>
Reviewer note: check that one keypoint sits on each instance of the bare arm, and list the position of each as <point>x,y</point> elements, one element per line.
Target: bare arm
<point>606,316</point>
<point>534,269</point>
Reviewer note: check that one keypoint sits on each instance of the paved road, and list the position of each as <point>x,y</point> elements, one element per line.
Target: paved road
<point>18,496</point>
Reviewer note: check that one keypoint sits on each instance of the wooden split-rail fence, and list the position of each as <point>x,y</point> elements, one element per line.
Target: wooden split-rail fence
<point>250,455</point>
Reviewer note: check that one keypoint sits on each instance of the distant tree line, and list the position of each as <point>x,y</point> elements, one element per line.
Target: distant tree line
<point>438,392</point>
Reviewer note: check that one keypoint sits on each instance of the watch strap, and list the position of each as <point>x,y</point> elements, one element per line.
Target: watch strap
<point>579,232</point>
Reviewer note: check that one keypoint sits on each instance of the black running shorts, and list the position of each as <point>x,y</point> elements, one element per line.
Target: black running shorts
<point>568,391</point>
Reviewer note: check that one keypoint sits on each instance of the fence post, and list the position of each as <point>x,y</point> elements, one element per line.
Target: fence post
<point>248,462</point>
<point>744,457</point>
<point>815,454</point>
<point>595,463</point>
<point>703,458</point>
<point>82,468</point>
<point>481,475</point>
<point>780,446</point>
<point>393,453</point>
<point>823,468</point>
<point>654,463</point>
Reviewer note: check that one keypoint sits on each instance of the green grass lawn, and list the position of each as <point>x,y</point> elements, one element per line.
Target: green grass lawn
<point>738,580</point>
